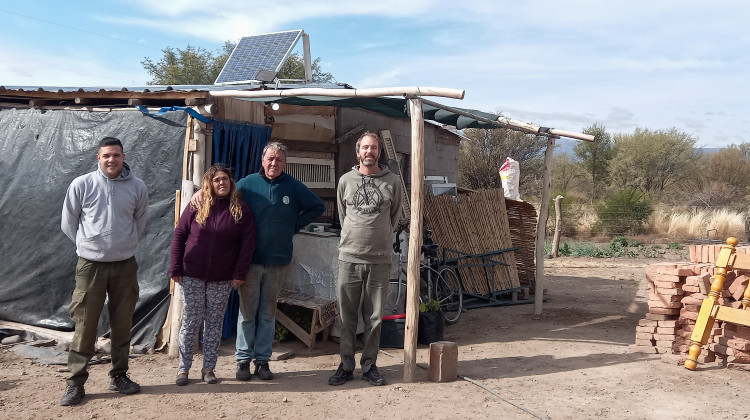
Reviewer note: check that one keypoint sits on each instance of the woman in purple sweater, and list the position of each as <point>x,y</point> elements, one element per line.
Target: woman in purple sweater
<point>211,252</point>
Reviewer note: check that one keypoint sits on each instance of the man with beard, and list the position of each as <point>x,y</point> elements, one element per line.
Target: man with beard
<point>369,206</point>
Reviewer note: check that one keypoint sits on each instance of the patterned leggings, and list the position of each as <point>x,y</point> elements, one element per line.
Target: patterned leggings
<point>202,303</point>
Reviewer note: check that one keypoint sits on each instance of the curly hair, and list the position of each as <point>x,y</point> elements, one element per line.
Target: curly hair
<point>209,198</point>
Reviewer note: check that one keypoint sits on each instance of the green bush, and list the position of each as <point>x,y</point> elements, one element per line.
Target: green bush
<point>621,241</point>
<point>624,211</point>
<point>674,245</point>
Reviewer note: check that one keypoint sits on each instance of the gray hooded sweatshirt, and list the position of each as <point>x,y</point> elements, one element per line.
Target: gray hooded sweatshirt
<point>369,209</point>
<point>105,217</point>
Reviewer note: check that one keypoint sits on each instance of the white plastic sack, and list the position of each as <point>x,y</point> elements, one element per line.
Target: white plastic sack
<point>510,172</point>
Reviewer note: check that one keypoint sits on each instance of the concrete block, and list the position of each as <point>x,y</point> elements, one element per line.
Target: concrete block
<point>443,361</point>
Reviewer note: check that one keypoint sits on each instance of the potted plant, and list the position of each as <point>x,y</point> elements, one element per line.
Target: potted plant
<point>430,322</point>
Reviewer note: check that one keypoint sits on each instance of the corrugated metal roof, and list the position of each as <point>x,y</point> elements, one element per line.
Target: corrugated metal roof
<point>164,88</point>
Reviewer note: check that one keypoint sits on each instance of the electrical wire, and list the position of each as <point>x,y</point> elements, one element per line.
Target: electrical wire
<point>481,385</point>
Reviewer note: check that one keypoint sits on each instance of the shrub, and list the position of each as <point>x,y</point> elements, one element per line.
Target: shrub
<point>625,211</point>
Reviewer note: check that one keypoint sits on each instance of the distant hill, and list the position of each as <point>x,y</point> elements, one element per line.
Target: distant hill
<point>566,147</point>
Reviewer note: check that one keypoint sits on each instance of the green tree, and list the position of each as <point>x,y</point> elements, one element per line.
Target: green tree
<point>294,68</point>
<point>566,174</point>
<point>653,161</point>
<point>198,66</point>
<point>723,179</point>
<point>189,66</point>
<point>595,158</point>
<point>484,151</point>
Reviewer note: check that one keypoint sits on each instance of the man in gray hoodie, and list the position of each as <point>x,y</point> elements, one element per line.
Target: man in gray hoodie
<point>104,213</point>
<point>369,207</point>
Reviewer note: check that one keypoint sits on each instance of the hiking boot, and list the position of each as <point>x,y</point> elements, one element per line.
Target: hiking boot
<point>73,395</point>
<point>263,372</point>
<point>182,379</point>
<point>123,384</point>
<point>340,376</point>
<point>373,376</point>
<point>243,371</point>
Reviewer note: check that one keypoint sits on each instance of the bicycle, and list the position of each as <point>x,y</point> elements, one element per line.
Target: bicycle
<point>438,282</point>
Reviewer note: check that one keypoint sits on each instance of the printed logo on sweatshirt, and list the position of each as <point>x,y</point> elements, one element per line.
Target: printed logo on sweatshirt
<point>368,198</point>
<point>285,199</point>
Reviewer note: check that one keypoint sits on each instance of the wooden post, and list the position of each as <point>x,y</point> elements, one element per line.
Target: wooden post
<point>175,304</point>
<point>415,239</point>
<point>558,227</point>
<point>199,154</point>
<point>541,226</point>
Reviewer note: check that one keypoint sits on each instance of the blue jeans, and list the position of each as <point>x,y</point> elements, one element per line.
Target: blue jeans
<point>256,324</point>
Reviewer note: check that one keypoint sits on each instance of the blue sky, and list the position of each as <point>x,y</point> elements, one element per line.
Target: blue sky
<point>561,64</point>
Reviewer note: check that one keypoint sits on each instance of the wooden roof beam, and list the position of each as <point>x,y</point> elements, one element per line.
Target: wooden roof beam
<point>343,93</point>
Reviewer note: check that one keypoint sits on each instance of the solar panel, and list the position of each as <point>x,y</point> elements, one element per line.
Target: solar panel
<point>254,54</point>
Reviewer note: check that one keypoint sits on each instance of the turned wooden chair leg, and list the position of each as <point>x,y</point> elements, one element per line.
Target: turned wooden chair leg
<point>707,315</point>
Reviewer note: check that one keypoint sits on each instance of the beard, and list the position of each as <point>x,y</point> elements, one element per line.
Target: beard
<point>369,161</point>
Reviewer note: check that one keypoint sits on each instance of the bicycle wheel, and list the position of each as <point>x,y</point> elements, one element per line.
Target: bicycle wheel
<point>448,292</point>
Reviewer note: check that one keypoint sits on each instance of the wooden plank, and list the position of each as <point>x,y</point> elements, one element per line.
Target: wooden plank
<point>735,316</point>
<point>390,149</point>
<point>188,136</point>
<point>294,328</point>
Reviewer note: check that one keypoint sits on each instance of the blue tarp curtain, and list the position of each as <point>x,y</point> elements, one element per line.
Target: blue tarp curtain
<point>238,146</point>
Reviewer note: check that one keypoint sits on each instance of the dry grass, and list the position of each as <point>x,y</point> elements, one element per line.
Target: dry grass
<point>675,223</point>
<point>685,224</point>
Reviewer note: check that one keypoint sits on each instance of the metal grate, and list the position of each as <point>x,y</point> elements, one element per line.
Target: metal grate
<point>315,173</point>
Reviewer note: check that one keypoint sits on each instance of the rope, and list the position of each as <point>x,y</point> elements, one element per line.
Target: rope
<point>479,384</point>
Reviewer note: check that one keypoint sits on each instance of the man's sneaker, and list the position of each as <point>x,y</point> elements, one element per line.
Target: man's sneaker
<point>123,384</point>
<point>243,371</point>
<point>73,395</point>
<point>373,376</point>
<point>263,372</point>
<point>341,376</point>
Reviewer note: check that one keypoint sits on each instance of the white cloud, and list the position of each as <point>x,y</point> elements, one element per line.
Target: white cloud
<point>27,67</point>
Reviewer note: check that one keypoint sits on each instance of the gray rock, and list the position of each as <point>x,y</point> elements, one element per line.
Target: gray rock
<point>139,349</point>
<point>13,339</point>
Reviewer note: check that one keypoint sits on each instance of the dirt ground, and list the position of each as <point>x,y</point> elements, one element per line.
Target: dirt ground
<point>573,362</point>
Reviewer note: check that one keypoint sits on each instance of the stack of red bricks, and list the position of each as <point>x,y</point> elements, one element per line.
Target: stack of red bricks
<point>676,291</point>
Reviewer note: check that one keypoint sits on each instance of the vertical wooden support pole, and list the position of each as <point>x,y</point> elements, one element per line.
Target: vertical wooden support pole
<point>306,57</point>
<point>199,155</point>
<point>415,239</point>
<point>558,227</point>
<point>185,151</point>
<point>175,304</point>
<point>540,228</point>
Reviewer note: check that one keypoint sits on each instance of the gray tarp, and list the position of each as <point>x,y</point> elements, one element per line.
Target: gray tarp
<point>41,151</point>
